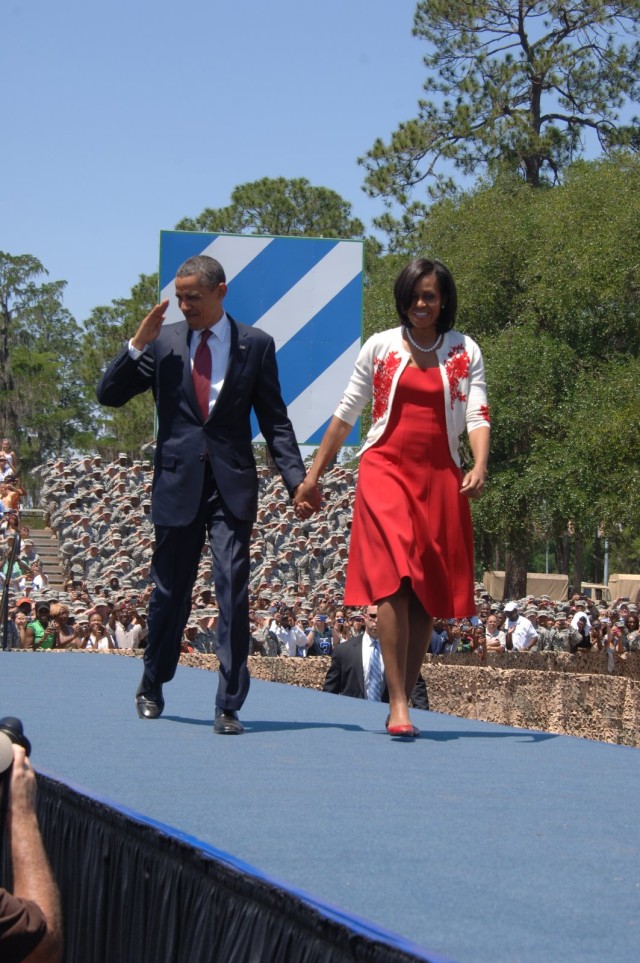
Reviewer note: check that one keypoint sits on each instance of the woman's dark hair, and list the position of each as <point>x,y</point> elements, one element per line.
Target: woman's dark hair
<point>406,282</point>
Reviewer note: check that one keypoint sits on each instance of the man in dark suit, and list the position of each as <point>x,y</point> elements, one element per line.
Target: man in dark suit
<point>350,672</point>
<point>207,373</point>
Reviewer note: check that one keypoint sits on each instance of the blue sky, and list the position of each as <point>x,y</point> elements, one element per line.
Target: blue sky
<point>120,119</point>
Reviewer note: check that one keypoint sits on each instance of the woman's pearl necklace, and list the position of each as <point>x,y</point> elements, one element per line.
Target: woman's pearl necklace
<point>434,347</point>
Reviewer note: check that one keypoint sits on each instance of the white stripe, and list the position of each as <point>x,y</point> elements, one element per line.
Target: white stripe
<point>313,292</point>
<point>234,252</point>
<point>311,408</point>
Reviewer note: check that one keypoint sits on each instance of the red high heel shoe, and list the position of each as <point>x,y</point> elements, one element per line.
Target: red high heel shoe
<point>408,731</point>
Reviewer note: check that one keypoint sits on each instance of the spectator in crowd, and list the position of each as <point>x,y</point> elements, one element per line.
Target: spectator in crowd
<point>478,640</point>
<point>583,629</point>
<point>633,633</point>
<point>495,637</point>
<point>9,455</point>
<point>30,641</point>
<point>14,636</point>
<point>189,637</point>
<point>519,632</point>
<point>30,915</point>
<point>568,638</point>
<point>129,628</point>
<point>83,630</point>
<point>65,634</point>
<point>98,639</point>
<point>6,469</point>
<point>320,636</point>
<point>342,631</point>
<point>104,610</point>
<point>43,627</point>
<point>207,637</point>
<point>581,613</point>
<point>293,641</point>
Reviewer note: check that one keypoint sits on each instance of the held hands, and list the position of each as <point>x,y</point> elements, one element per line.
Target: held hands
<point>307,499</point>
<point>149,328</point>
<point>473,483</point>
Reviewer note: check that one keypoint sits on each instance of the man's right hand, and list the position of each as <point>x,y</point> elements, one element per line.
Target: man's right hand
<point>150,328</point>
<point>307,499</point>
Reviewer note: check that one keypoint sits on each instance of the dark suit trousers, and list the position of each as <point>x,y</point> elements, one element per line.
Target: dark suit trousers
<point>174,570</point>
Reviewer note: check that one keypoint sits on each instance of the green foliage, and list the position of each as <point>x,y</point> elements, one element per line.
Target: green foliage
<point>548,285</point>
<point>281,207</point>
<point>41,401</point>
<point>108,328</point>
<point>510,85</point>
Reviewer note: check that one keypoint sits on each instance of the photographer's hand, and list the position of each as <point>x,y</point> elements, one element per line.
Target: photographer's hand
<point>32,877</point>
<point>22,787</point>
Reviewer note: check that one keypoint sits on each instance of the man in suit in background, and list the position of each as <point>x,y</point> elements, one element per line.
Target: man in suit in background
<point>357,668</point>
<point>207,373</point>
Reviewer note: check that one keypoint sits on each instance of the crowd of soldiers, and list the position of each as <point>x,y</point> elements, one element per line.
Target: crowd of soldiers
<point>100,514</point>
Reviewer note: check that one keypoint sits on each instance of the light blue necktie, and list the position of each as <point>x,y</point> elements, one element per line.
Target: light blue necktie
<point>374,689</point>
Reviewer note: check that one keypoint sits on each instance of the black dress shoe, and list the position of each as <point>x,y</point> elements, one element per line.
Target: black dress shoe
<point>227,723</point>
<point>150,703</point>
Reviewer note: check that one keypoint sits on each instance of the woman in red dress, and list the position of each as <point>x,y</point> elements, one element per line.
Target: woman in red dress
<point>411,548</point>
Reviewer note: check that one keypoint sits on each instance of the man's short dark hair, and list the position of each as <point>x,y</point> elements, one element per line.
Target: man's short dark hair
<point>206,269</point>
<point>405,284</point>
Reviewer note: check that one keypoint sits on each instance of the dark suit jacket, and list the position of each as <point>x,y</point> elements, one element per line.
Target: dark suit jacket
<point>251,381</point>
<point>346,675</point>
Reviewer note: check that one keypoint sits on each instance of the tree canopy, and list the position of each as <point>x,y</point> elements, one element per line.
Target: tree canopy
<point>280,207</point>
<point>509,83</point>
<point>549,284</point>
<point>41,402</point>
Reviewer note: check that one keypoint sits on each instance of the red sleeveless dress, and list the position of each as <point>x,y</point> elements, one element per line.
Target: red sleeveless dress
<point>409,519</point>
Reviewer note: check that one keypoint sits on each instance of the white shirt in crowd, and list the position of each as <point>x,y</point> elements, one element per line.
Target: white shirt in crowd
<point>290,639</point>
<point>524,633</point>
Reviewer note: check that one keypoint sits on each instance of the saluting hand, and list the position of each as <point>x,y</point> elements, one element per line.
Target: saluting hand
<point>149,329</point>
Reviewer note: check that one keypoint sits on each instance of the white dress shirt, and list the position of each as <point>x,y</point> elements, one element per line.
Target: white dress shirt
<point>219,344</point>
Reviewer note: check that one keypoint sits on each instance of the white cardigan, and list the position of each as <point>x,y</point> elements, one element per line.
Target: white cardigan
<point>382,360</point>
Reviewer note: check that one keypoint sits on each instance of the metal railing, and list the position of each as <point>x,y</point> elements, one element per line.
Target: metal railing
<point>4,603</point>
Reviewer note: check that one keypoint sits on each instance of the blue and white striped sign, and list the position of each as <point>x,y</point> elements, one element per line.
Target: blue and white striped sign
<point>306,293</point>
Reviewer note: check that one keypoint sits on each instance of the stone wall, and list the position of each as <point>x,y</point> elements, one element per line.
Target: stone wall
<point>575,695</point>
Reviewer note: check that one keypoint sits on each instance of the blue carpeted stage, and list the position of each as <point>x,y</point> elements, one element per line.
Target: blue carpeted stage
<point>474,843</point>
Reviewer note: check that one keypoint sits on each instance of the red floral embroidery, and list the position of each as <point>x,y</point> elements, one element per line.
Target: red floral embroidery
<point>457,368</point>
<point>383,372</point>
<point>484,411</point>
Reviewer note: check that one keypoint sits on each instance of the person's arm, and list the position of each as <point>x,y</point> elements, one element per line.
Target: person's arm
<point>474,480</point>
<point>131,372</point>
<point>308,495</point>
<point>333,678</point>
<point>32,877</point>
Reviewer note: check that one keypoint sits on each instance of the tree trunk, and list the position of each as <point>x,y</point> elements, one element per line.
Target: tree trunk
<point>515,574</point>
<point>562,554</point>
<point>578,561</point>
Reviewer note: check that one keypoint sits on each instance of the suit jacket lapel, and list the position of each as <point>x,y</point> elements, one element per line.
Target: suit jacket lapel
<point>358,666</point>
<point>238,353</point>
